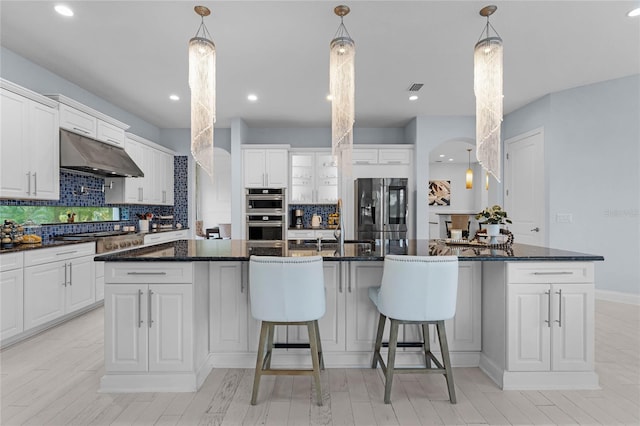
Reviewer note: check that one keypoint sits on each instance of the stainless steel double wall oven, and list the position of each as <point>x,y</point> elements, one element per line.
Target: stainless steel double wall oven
<point>266,214</point>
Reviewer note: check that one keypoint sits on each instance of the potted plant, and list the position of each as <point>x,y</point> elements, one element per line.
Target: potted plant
<point>493,217</point>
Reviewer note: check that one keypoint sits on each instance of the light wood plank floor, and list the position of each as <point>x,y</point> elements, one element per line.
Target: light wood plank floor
<point>52,379</point>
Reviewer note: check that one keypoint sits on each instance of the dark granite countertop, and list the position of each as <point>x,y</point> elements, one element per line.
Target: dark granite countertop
<point>58,243</point>
<point>229,250</point>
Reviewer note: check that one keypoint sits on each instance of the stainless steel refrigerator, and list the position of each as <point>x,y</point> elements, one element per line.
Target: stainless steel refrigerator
<point>381,208</point>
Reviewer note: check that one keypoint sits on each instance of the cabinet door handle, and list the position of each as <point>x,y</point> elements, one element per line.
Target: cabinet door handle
<point>339,277</point>
<point>241,278</point>
<point>146,273</point>
<point>349,277</point>
<point>70,274</point>
<point>81,130</point>
<point>65,275</point>
<point>559,320</point>
<point>140,195</point>
<point>548,320</point>
<point>139,308</point>
<point>35,183</point>
<point>554,273</point>
<point>66,252</point>
<point>149,303</point>
<point>29,183</point>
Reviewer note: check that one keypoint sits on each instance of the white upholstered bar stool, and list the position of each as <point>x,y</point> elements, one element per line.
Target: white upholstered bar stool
<point>419,290</point>
<point>287,291</point>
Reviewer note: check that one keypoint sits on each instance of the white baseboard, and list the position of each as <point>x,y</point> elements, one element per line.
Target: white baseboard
<point>616,296</point>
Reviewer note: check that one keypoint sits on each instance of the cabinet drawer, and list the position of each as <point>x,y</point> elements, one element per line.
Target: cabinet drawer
<point>549,272</point>
<point>110,134</point>
<point>299,235</point>
<point>164,237</point>
<point>148,272</point>
<point>365,156</point>
<point>325,234</point>
<point>394,156</point>
<point>69,251</point>
<point>11,261</point>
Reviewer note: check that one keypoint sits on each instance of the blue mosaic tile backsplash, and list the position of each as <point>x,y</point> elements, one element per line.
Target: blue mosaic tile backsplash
<point>309,210</point>
<point>70,185</point>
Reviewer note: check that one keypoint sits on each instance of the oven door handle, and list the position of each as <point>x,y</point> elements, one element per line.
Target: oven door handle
<point>266,223</point>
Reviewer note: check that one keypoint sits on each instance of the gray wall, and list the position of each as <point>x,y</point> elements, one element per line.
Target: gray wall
<point>19,70</point>
<point>592,164</point>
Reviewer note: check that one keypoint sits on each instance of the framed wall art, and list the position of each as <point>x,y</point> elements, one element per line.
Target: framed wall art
<point>439,192</point>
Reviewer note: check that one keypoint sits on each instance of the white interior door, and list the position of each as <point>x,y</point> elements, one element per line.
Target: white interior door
<point>525,197</point>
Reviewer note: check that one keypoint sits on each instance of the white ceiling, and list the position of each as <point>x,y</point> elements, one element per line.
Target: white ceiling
<point>134,54</point>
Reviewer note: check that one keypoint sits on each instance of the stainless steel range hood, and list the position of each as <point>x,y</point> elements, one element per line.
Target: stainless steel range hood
<point>84,154</point>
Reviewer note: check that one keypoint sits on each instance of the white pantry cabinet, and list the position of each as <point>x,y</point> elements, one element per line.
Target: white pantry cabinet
<point>265,167</point>
<point>314,178</point>
<point>11,295</point>
<point>57,281</point>
<point>156,187</point>
<point>29,145</point>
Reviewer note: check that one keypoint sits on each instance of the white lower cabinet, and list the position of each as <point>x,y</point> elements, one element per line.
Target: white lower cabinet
<point>541,336</point>
<point>148,327</point>
<point>350,321</point>
<point>550,327</point>
<point>229,307</point>
<point>11,303</point>
<point>156,326</point>
<point>57,288</point>
<point>463,330</point>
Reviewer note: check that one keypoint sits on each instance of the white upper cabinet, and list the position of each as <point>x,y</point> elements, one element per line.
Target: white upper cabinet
<point>86,121</point>
<point>29,145</point>
<point>156,187</point>
<point>390,154</point>
<point>314,178</point>
<point>265,168</point>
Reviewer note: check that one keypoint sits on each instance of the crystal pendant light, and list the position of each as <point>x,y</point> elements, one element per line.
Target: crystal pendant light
<point>342,92</point>
<point>469,175</point>
<point>202,81</point>
<point>487,86</point>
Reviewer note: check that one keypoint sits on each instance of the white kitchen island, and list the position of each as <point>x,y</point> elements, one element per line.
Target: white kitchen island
<point>175,311</point>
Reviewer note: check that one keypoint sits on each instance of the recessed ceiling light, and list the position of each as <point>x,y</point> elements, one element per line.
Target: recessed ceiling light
<point>413,97</point>
<point>252,97</point>
<point>634,12</point>
<point>450,159</point>
<point>174,97</point>
<point>441,155</point>
<point>63,10</point>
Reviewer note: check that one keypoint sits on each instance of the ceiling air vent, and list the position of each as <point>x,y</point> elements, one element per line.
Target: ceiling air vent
<point>415,87</point>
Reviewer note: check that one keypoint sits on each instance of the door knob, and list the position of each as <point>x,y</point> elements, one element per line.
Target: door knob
<point>536,229</point>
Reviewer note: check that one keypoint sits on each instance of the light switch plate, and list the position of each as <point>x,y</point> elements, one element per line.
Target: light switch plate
<point>564,217</point>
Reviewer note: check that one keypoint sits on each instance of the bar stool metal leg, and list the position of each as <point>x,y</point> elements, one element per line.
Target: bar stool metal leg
<point>444,348</point>
<point>267,364</point>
